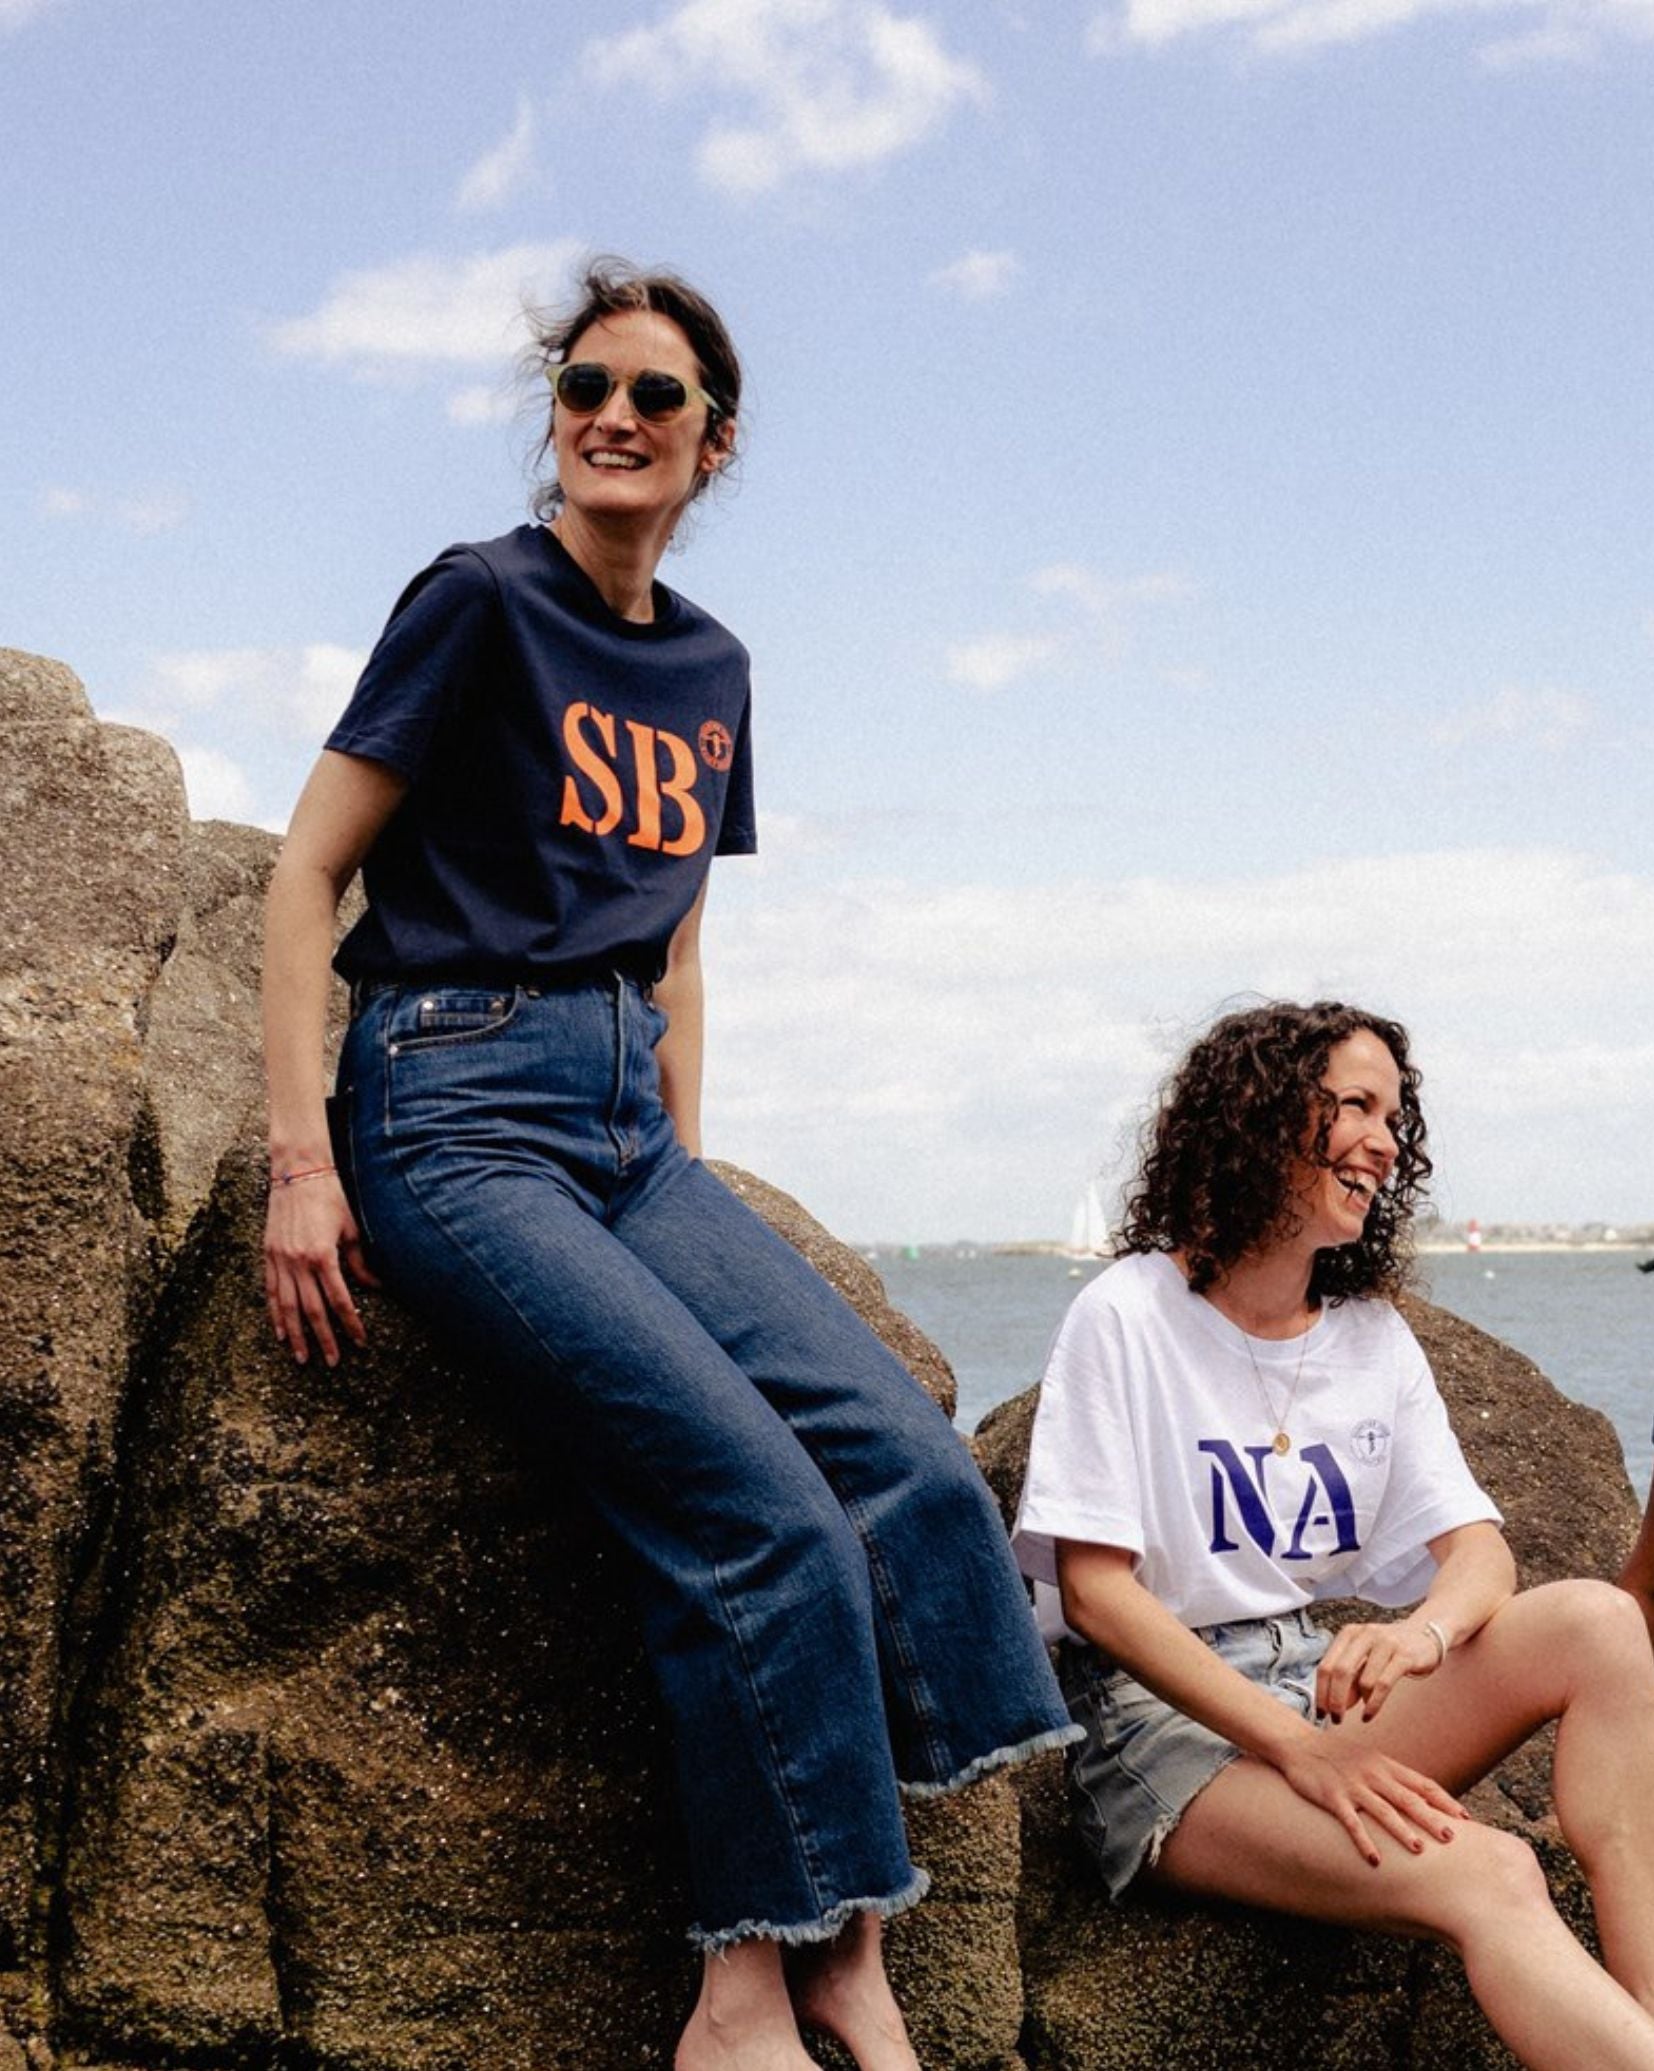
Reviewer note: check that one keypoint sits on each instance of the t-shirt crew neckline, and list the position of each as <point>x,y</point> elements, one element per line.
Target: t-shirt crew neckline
<point>595,606</point>
<point>1216,1324</point>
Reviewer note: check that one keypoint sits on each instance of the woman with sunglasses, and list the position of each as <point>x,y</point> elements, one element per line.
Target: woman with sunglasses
<point>544,753</point>
<point>1235,1424</point>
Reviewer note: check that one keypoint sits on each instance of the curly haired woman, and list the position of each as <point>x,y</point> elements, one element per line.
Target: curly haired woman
<point>1235,1423</point>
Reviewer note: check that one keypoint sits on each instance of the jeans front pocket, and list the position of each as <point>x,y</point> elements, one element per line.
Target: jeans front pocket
<point>447,1014</point>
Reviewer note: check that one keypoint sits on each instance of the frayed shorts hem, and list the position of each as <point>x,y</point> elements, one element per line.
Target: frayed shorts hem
<point>1143,1762</point>
<point>831,1923</point>
<point>999,1758</point>
<point>1115,1878</point>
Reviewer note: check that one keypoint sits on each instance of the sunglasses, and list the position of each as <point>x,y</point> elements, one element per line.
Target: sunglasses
<point>586,385</point>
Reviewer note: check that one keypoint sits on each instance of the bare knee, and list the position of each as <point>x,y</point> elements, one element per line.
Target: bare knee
<point>1494,1886</point>
<point>1597,1631</point>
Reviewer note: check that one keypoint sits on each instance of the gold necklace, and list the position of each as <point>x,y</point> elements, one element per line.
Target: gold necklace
<point>1282,1441</point>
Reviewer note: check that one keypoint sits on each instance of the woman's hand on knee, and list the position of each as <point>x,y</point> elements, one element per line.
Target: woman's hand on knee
<point>1365,1662</point>
<point>1369,1793</point>
<point>310,1240</point>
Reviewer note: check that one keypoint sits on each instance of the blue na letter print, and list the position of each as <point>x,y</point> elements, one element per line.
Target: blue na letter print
<point>1326,1485</point>
<point>1326,1499</point>
<point>1246,1486</point>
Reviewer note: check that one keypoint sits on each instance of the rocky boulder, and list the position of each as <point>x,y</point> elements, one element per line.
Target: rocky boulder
<point>328,1737</point>
<point>328,1740</point>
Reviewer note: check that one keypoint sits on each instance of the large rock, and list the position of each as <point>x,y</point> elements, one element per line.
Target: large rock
<point>329,1738</point>
<point>1159,1984</point>
<point>374,1763</point>
<point>92,835</point>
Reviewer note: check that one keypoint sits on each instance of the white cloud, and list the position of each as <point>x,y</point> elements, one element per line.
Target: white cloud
<point>1553,42</point>
<point>218,787</point>
<point>275,686</point>
<point>428,310</point>
<point>159,510</point>
<point>504,171</point>
<point>1543,30</point>
<point>996,659</point>
<point>15,14</point>
<point>977,276</point>
<point>480,404</point>
<point>997,1042</point>
<point>815,85</point>
<point>1104,596</point>
<point>992,660</point>
<point>1550,719</point>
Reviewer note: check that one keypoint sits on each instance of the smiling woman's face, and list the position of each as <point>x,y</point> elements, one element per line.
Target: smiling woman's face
<point>1333,1198</point>
<point>614,464</point>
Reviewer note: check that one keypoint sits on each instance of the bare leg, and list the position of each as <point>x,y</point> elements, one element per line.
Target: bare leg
<point>1576,1652</point>
<point>743,2020</point>
<point>1249,1836</point>
<point>840,1987</point>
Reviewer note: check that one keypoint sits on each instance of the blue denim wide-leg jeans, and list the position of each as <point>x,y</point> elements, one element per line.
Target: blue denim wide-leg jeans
<point>828,1597</point>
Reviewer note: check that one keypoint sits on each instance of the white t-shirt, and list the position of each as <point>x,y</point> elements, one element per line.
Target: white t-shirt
<point>1155,1434</point>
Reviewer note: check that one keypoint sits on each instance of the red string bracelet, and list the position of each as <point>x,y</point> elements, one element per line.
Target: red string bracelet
<point>287,1179</point>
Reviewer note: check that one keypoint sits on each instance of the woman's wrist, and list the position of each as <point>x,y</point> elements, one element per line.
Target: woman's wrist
<point>1283,1737</point>
<point>289,1151</point>
<point>1438,1630</point>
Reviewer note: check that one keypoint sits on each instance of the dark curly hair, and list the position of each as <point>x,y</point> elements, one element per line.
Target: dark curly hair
<point>608,287</point>
<point>1215,1180</point>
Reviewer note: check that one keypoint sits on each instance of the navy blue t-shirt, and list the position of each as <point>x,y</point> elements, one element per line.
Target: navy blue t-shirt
<point>571,773</point>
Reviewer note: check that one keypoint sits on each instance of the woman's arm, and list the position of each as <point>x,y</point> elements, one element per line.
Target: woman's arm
<point>1475,1574</point>
<point>343,806</point>
<point>681,996</point>
<point>1103,1599</point>
<point>1637,1576</point>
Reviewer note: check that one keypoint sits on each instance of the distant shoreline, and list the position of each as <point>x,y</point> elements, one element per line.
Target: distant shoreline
<point>1430,1247</point>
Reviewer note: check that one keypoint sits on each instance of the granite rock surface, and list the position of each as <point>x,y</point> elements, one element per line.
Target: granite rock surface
<point>329,1740</point>
<point>328,1743</point>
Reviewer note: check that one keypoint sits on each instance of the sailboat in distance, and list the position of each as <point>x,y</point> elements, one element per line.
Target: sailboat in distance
<point>1088,1233</point>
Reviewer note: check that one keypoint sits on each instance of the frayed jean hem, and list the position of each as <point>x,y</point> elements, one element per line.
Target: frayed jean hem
<point>831,1923</point>
<point>1000,1758</point>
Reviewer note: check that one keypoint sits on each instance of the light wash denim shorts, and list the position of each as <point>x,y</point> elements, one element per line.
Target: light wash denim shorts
<point>1142,1761</point>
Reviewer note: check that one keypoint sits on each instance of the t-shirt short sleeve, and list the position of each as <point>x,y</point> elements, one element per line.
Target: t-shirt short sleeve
<point>738,830</point>
<point>1431,1489</point>
<point>440,637</point>
<point>1082,1480</point>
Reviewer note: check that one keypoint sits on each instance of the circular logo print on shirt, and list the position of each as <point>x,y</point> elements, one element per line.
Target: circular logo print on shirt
<point>717,749</point>
<point>1370,1440</point>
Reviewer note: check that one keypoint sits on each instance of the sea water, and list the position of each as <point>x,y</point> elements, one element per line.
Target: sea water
<point>1586,1319</point>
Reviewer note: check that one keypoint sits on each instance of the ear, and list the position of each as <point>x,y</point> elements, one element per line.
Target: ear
<point>719,450</point>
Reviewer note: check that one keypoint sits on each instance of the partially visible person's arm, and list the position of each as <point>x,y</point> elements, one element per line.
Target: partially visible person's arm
<point>343,806</point>
<point>681,996</point>
<point>1637,1576</point>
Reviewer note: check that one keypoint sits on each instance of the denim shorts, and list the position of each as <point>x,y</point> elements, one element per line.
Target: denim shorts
<point>1142,1761</point>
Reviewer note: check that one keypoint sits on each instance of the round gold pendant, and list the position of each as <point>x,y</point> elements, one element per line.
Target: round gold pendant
<point>1283,1444</point>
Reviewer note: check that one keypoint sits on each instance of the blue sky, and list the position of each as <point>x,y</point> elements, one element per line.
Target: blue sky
<point>1193,533</point>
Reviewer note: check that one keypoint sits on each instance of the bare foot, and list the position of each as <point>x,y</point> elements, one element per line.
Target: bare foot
<point>840,1987</point>
<point>743,2020</point>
